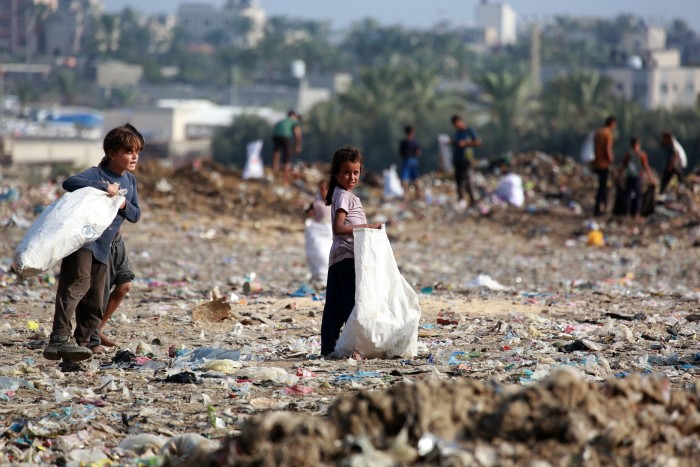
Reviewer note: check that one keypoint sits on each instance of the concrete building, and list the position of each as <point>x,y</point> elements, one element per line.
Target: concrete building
<point>658,81</point>
<point>499,17</point>
<point>181,130</point>
<point>239,22</point>
<point>19,32</point>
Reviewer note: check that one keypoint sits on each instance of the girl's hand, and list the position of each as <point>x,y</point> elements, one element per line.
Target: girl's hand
<point>123,206</point>
<point>113,189</point>
<point>374,226</point>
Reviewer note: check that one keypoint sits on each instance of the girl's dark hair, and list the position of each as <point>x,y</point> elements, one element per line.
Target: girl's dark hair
<point>342,154</point>
<point>125,137</point>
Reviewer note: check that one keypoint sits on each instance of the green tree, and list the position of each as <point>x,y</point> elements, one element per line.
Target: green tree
<point>506,94</point>
<point>67,84</point>
<point>26,94</point>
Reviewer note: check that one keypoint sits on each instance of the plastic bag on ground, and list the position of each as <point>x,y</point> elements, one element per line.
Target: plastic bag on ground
<point>587,149</point>
<point>392,183</point>
<point>384,322</point>
<point>254,163</point>
<point>75,219</point>
<point>319,238</point>
<point>510,190</point>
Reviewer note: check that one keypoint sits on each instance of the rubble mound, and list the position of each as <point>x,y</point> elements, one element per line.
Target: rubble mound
<point>563,420</point>
<point>209,188</point>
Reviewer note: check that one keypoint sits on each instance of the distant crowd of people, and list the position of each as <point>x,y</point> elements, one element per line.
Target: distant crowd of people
<point>633,171</point>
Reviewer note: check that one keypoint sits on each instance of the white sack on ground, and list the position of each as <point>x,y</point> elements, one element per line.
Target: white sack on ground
<point>75,219</point>
<point>254,163</point>
<point>384,322</point>
<point>510,190</point>
<point>588,149</point>
<point>319,238</point>
<point>392,183</point>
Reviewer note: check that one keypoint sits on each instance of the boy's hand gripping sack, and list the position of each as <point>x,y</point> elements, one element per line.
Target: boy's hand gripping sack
<point>69,223</point>
<point>384,322</point>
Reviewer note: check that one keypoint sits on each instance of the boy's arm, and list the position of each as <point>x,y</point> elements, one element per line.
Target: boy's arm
<point>88,178</point>
<point>131,209</point>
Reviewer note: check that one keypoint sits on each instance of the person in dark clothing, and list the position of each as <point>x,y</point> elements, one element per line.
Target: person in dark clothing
<point>463,144</point>
<point>634,165</point>
<point>409,150</point>
<point>603,162</point>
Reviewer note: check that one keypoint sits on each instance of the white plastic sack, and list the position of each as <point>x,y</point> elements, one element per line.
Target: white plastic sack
<point>392,184</point>
<point>681,153</point>
<point>510,189</point>
<point>445,152</point>
<point>75,219</point>
<point>319,238</point>
<point>384,322</point>
<point>588,149</point>
<point>254,164</point>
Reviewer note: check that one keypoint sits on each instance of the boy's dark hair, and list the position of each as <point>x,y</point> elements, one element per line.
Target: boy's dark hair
<point>342,154</point>
<point>610,120</point>
<point>408,129</point>
<point>125,137</point>
<point>634,141</point>
<point>455,118</point>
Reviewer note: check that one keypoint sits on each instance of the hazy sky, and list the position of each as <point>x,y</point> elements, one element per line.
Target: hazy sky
<point>427,12</point>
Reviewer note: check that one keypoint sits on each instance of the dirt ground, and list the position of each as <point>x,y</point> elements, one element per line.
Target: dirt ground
<point>589,356</point>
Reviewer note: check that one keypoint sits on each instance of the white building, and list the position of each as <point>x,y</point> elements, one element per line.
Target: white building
<point>499,17</point>
<point>240,22</point>
<point>657,81</point>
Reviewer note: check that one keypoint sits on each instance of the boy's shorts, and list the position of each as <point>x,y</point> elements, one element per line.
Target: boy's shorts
<point>409,170</point>
<point>284,145</point>
<point>119,268</point>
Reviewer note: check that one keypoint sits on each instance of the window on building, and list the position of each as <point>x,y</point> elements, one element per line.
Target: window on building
<point>663,88</point>
<point>689,87</point>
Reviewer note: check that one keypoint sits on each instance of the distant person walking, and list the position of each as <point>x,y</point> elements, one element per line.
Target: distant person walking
<point>410,151</point>
<point>673,166</point>
<point>286,141</point>
<point>603,161</point>
<point>634,165</point>
<point>463,144</point>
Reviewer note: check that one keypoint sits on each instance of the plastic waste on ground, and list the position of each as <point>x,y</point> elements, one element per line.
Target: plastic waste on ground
<point>510,190</point>
<point>484,280</point>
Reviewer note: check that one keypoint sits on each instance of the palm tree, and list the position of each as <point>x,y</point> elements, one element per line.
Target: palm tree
<point>506,93</point>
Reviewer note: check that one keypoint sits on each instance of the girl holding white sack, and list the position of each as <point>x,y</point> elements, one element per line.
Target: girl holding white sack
<point>347,214</point>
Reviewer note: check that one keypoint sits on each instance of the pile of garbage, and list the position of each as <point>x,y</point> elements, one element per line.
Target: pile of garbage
<point>562,420</point>
<point>543,335</point>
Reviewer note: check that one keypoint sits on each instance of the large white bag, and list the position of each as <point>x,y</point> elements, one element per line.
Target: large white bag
<point>384,322</point>
<point>588,149</point>
<point>681,153</point>
<point>254,163</point>
<point>70,222</point>
<point>445,152</point>
<point>392,183</point>
<point>319,238</point>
